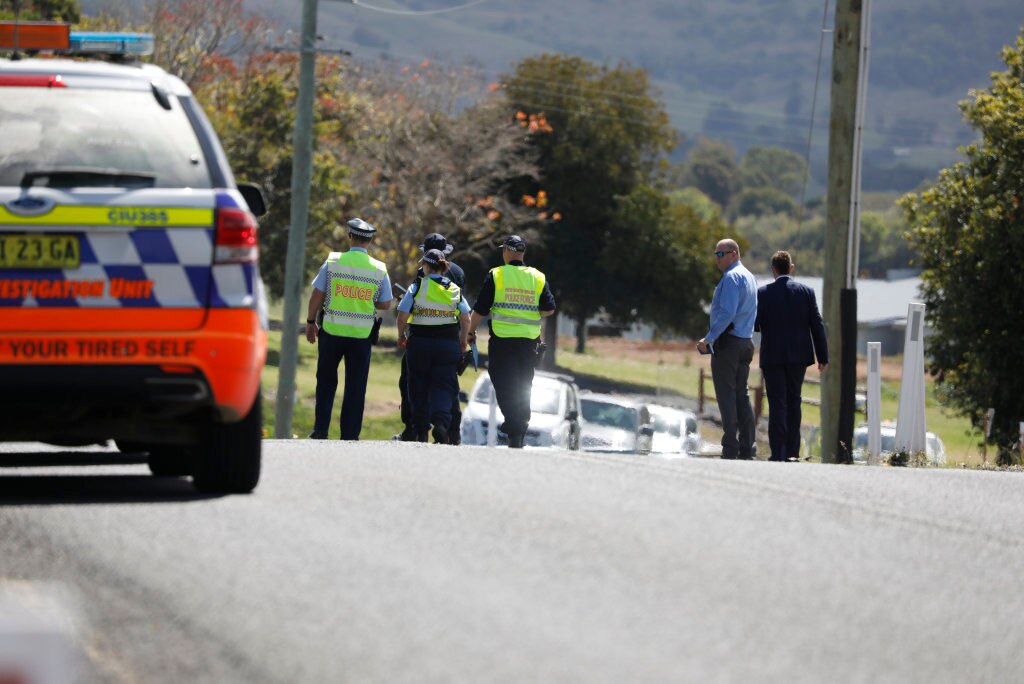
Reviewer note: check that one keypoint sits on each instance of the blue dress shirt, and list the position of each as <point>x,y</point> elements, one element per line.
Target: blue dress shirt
<point>735,302</point>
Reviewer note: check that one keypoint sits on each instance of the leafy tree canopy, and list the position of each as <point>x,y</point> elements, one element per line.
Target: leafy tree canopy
<point>967,232</point>
<point>609,136</point>
<point>773,167</point>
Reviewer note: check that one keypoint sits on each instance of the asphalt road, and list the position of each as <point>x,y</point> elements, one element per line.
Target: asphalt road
<point>389,562</point>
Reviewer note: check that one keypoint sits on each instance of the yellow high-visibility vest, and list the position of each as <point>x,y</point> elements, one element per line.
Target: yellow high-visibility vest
<point>435,304</point>
<point>354,280</point>
<point>516,308</point>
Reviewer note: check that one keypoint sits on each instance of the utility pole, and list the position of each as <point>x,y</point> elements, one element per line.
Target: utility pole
<point>302,171</point>
<point>842,237</point>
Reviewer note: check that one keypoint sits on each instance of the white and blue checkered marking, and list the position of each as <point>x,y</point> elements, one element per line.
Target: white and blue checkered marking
<point>176,260</point>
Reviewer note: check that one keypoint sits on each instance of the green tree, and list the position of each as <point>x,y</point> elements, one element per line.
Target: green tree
<point>773,167</point>
<point>609,135</point>
<point>761,201</point>
<point>711,168</point>
<point>669,243</point>
<point>967,231</point>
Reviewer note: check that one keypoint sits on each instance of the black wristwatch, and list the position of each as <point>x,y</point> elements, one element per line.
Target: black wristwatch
<point>310,321</point>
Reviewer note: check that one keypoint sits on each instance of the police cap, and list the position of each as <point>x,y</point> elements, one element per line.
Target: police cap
<point>438,242</point>
<point>361,228</point>
<point>432,256</point>
<point>514,243</point>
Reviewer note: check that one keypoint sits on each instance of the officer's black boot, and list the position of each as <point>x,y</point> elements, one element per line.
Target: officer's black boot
<point>408,434</point>
<point>421,435</point>
<point>515,441</point>
<point>440,435</point>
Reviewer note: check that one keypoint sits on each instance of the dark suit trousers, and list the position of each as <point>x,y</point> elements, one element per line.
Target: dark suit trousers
<point>356,353</point>
<point>510,364</point>
<point>730,368</point>
<point>782,384</point>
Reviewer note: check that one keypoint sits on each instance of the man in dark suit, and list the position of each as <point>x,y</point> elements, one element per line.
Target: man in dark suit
<point>792,334</point>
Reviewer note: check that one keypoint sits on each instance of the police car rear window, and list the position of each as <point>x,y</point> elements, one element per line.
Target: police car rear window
<point>90,137</point>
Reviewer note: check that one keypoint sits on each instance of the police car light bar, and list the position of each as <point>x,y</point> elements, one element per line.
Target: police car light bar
<point>57,37</point>
<point>99,42</point>
<point>33,35</point>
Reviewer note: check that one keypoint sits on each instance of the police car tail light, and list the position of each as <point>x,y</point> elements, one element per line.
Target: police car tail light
<point>237,241</point>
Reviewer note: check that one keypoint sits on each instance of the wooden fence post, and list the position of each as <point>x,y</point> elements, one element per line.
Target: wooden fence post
<point>700,394</point>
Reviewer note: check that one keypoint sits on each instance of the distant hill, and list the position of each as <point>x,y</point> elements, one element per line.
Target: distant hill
<point>743,70</point>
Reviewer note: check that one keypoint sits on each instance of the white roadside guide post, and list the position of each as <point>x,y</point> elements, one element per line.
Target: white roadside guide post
<point>910,424</point>
<point>874,402</point>
<point>492,419</point>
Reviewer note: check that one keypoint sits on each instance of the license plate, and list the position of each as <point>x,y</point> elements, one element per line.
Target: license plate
<point>39,251</point>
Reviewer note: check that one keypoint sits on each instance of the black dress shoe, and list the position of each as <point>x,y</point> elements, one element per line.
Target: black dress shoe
<point>440,435</point>
<point>515,441</point>
<point>421,436</point>
<point>408,434</point>
<point>317,435</point>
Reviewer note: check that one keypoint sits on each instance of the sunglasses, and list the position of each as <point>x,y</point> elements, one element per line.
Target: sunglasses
<point>722,254</point>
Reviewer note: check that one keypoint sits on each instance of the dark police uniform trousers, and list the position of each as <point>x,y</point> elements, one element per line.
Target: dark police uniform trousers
<point>356,353</point>
<point>510,363</point>
<point>432,354</point>
<point>406,406</point>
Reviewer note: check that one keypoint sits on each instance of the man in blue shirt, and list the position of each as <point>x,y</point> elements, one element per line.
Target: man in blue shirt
<point>729,341</point>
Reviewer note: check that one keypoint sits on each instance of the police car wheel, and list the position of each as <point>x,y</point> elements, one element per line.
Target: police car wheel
<point>169,461</point>
<point>228,460</point>
<point>130,447</point>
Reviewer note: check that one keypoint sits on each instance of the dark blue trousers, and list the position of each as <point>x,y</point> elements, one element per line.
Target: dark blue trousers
<point>356,353</point>
<point>782,384</point>
<point>433,382</point>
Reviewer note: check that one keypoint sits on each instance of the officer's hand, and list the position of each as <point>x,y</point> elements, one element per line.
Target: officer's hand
<point>472,336</point>
<point>403,342</point>
<point>311,331</point>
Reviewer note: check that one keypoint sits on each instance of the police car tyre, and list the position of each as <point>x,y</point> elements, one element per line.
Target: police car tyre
<point>173,461</point>
<point>228,460</point>
<point>128,447</point>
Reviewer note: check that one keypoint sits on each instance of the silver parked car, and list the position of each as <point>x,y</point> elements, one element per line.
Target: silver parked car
<point>614,423</point>
<point>676,431</point>
<point>554,419</point>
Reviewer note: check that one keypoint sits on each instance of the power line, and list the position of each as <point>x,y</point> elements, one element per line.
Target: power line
<point>810,131</point>
<point>418,13</point>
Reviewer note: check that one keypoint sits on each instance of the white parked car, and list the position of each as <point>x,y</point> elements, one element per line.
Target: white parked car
<point>676,431</point>
<point>554,419</point>
<point>614,423</point>
<point>935,450</point>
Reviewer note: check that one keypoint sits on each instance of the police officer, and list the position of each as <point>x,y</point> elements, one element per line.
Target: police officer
<point>433,327</point>
<point>349,287</point>
<point>457,276</point>
<point>516,297</point>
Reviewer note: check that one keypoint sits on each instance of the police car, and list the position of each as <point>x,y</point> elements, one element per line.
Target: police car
<point>131,304</point>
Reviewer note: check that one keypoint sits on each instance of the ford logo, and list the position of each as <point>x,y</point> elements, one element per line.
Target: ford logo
<point>30,206</point>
